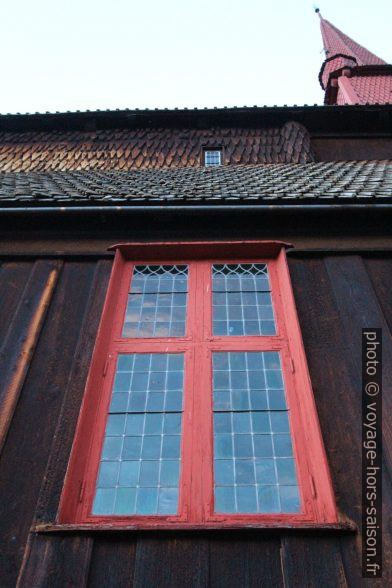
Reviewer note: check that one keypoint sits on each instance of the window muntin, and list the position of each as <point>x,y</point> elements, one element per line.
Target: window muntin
<point>140,460</point>
<point>241,298</point>
<point>157,301</point>
<point>196,486</point>
<point>254,468</point>
<point>212,157</point>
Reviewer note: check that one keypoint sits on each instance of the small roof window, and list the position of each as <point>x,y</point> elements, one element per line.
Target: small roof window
<point>212,157</point>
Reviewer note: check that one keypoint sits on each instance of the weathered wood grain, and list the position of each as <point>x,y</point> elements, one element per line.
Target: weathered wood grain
<point>56,562</point>
<point>312,563</point>
<point>112,562</point>
<point>245,560</point>
<point>31,434</point>
<point>72,397</point>
<point>13,278</point>
<point>167,561</point>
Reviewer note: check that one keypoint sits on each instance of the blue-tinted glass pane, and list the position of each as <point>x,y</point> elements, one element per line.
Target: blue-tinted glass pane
<point>224,472</point>
<point>131,448</point>
<point>279,422</point>
<point>225,499</point>
<point>253,456</point>
<point>119,402</point>
<point>170,472</point>
<point>112,448</point>
<point>286,471</point>
<point>140,462</point>
<point>241,300</point>
<point>243,446</point>
<point>265,471</point>
<point>282,445</point>
<point>276,399</point>
<point>244,471</point>
<point>263,445</point>
<point>222,422</point>
<point>157,302</point>
<point>154,424</point>
<point>152,447</point>
<point>268,499</point>
<point>137,402</point>
<point>172,424</point>
<point>149,473</point>
<point>125,501</point>
<point>240,400</point>
<point>104,501</point>
<point>223,446</point>
<point>146,501</point>
<point>129,473</point>
<point>246,498</point>
<point>261,422</point>
<point>168,500</point>
<point>171,447</point>
<point>173,400</point>
<point>135,424</point>
<point>289,498</point>
<point>115,424</point>
<point>108,474</point>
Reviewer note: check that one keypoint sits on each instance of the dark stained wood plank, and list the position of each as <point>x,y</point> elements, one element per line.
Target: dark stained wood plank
<point>166,561</point>
<point>72,397</point>
<point>13,278</point>
<point>18,346</point>
<point>380,273</point>
<point>30,437</point>
<point>312,562</point>
<point>53,562</point>
<point>245,560</point>
<point>331,374</point>
<point>112,562</point>
<point>359,308</point>
<point>341,293</point>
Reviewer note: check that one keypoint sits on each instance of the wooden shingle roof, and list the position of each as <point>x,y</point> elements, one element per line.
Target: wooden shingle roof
<point>349,182</point>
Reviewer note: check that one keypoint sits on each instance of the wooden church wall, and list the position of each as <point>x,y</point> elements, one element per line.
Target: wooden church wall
<point>335,294</point>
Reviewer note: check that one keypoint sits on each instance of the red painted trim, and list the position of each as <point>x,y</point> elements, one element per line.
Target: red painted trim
<point>196,502</point>
<point>349,94</point>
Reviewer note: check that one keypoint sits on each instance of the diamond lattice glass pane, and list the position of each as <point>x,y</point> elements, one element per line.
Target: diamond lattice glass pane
<point>157,301</point>
<point>241,297</point>
<point>254,465</point>
<point>140,461</point>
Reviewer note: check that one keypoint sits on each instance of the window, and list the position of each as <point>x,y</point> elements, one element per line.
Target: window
<point>212,157</point>
<point>198,408</point>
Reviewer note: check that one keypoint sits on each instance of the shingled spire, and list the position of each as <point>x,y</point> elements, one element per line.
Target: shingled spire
<point>350,74</point>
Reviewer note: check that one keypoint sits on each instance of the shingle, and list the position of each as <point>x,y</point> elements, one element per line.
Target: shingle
<point>129,149</point>
<point>345,181</point>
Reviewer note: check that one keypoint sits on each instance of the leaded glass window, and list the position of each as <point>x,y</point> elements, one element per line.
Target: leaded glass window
<point>198,409</point>
<point>241,297</point>
<point>212,157</point>
<point>157,301</point>
<point>254,467</point>
<point>140,462</point>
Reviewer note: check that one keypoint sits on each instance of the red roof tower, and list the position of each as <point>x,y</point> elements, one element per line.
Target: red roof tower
<point>350,74</point>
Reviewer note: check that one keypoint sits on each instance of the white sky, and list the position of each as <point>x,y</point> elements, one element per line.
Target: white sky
<point>95,54</point>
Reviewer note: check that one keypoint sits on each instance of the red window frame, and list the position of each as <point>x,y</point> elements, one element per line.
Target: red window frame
<point>196,497</point>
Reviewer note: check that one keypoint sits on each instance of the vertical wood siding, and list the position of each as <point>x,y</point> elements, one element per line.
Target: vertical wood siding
<point>336,296</point>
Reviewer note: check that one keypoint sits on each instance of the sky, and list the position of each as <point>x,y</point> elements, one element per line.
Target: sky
<point>95,54</point>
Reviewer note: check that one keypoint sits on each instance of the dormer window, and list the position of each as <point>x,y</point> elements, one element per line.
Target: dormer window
<point>212,157</point>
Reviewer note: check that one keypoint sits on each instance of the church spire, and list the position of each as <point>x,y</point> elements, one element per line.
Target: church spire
<point>350,74</point>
